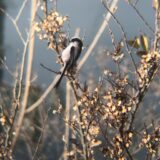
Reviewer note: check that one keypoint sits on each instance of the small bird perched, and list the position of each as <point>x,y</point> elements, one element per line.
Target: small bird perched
<point>69,57</point>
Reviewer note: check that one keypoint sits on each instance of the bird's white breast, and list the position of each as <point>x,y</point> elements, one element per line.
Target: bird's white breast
<point>67,52</point>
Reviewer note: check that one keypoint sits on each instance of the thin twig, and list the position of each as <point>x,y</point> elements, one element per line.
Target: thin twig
<point>18,85</point>
<point>125,37</point>
<point>15,24</point>
<point>115,48</point>
<point>98,35</point>
<point>17,90</point>
<point>40,137</point>
<point>49,69</point>
<point>142,18</point>
<point>45,8</point>
<point>6,67</point>
<point>82,134</point>
<point>136,2</point>
<point>22,68</point>
<point>15,106</point>
<point>67,114</point>
<point>28,75</point>
<point>141,93</point>
<point>41,98</point>
<point>21,10</point>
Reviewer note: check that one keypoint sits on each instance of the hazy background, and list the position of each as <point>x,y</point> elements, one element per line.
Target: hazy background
<point>86,14</point>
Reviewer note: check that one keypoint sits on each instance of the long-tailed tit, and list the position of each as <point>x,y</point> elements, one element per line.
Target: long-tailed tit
<point>69,57</point>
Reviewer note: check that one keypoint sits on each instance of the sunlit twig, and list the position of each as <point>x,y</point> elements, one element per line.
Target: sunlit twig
<point>28,75</point>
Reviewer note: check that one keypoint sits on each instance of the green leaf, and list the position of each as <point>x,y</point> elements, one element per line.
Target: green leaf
<point>144,42</point>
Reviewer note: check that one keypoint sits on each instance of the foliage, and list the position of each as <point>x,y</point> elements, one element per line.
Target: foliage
<point>105,123</point>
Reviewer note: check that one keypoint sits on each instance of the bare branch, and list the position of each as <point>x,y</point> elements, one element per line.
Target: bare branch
<point>51,70</point>
<point>41,99</point>
<point>67,114</point>
<point>20,11</point>
<point>15,25</point>
<point>28,76</point>
<point>142,18</point>
<point>98,35</point>
<point>125,38</point>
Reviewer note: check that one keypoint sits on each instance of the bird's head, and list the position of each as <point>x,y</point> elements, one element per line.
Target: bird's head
<point>78,40</point>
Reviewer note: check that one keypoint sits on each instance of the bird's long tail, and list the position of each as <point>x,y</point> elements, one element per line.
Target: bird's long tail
<point>59,77</point>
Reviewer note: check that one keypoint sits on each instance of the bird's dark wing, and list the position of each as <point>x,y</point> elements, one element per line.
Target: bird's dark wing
<point>77,53</point>
<point>59,77</point>
<point>72,58</point>
<point>74,55</point>
<point>66,66</point>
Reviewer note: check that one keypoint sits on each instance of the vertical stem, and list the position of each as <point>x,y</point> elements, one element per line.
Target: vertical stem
<point>99,33</point>
<point>67,114</point>
<point>83,140</point>
<point>68,109</point>
<point>28,73</point>
<point>157,29</point>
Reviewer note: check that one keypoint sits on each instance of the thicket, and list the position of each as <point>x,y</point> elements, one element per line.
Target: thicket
<point>116,118</point>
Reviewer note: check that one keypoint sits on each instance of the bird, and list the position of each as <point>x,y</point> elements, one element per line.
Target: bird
<point>69,58</point>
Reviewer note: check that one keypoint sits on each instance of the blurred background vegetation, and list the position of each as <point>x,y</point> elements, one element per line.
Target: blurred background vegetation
<point>41,134</point>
